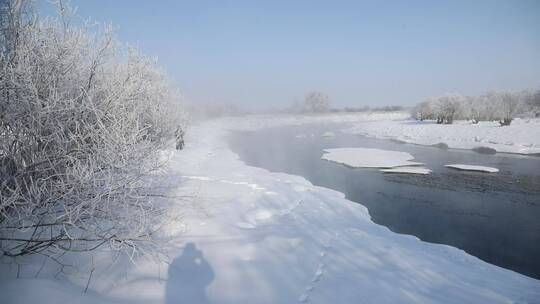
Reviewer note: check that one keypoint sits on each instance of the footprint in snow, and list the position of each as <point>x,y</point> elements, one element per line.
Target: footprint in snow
<point>263,215</point>
<point>254,217</point>
<point>318,273</point>
<point>304,297</point>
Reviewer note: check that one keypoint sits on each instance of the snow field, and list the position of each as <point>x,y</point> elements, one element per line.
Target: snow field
<point>253,236</point>
<point>521,137</point>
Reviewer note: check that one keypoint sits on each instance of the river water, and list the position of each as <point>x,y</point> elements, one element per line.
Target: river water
<point>495,217</point>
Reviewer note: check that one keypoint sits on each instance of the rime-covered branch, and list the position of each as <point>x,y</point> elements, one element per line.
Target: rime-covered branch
<point>81,119</point>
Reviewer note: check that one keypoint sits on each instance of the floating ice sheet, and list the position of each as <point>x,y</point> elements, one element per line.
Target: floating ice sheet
<point>369,158</point>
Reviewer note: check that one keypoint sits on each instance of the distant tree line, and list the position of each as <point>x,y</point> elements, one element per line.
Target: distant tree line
<point>319,102</point>
<point>502,106</point>
<point>372,109</point>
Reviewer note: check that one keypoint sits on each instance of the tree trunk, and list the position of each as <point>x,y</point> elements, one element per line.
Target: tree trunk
<point>505,122</point>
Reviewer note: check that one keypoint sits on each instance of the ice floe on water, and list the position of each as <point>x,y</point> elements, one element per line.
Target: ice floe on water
<point>369,158</point>
<point>411,170</point>
<point>472,168</point>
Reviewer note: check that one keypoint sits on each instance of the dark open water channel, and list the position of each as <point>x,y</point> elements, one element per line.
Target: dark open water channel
<point>495,217</point>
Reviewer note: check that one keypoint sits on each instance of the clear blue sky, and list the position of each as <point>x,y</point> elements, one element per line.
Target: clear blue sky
<point>265,54</point>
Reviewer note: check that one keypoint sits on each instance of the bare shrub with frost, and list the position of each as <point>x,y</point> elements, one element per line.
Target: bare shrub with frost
<point>507,105</point>
<point>81,120</point>
<point>448,108</point>
<point>474,108</point>
<point>531,102</point>
<point>424,110</point>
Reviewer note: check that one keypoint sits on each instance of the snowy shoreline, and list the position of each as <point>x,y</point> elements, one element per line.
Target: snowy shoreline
<point>268,237</point>
<point>521,137</point>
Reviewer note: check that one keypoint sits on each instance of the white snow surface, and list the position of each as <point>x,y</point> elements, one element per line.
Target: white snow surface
<point>411,170</point>
<point>368,157</point>
<point>253,236</point>
<point>521,137</point>
<point>473,168</point>
<point>328,134</point>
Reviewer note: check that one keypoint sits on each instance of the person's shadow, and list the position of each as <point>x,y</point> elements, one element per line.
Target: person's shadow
<point>189,275</point>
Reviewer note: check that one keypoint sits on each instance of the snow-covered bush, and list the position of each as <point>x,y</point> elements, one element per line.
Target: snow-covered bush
<point>448,107</point>
<point>81,119</point>
<point>475,109</point>
<point>424,110</point>
<point>531,101</point>
<point>507,105</point>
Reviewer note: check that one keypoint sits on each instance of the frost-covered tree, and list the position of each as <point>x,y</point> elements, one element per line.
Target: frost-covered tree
<point>424,110</point>
<point>474,108</point>
<point>507,105</point>
<point>532,102</point>
<point>448,107</point>
<point>81,120</point>
<point>317,102</point>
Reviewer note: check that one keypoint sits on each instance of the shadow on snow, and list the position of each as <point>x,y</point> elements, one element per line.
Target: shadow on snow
<point>189,276</point>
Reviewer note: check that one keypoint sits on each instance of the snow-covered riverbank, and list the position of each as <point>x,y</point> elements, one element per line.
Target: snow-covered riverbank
<point>522,136</point>
<point>252,236</point>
